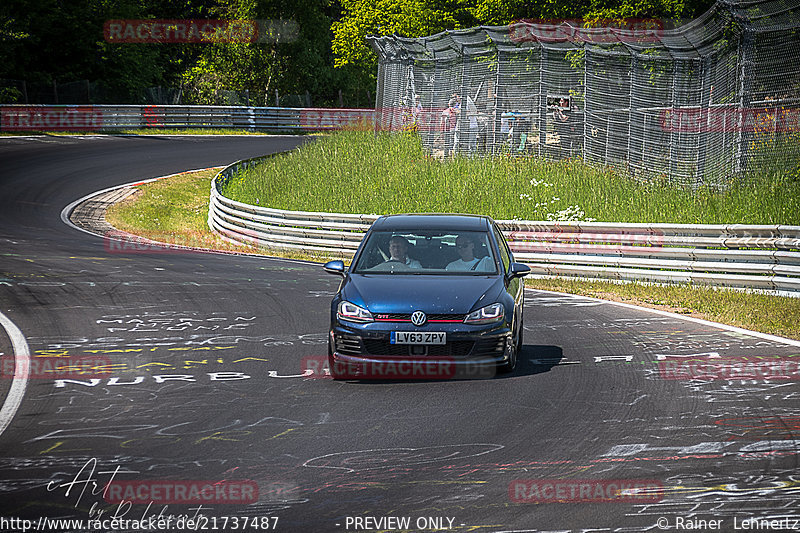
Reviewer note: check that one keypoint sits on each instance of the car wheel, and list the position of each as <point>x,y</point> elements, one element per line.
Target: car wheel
<point>516,343</point>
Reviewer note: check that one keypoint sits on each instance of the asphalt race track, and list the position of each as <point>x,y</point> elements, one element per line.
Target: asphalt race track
<point>207,355</point>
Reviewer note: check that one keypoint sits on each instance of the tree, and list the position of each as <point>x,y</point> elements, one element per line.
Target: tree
<point>417,18</point>
<point>47,41</point>
<point>300,61</point>
<point>409,18</point>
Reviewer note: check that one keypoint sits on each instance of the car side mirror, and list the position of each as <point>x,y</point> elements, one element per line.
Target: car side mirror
<point>334,267</point>
<point>518,270</point>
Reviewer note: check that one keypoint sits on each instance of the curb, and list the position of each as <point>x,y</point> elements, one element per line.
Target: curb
<point>87,214</point>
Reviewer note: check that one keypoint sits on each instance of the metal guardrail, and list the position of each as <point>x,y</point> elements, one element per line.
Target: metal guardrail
<point>763,257</point>
<point>116,117</point>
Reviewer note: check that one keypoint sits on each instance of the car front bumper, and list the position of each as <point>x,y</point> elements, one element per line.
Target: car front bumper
<point>365,350</point>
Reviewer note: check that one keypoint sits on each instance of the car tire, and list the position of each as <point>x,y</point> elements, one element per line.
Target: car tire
<point>508,366</point>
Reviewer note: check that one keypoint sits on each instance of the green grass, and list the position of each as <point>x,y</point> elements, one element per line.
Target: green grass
<point>191,131</point>
<point>358,172</point>
<point>175,210</point>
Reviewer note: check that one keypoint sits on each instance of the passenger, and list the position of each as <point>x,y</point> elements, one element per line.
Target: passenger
<point>398,251</point>
<point>466,249</point>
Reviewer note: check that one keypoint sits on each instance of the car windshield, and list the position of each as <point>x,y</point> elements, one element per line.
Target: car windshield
<point>466,253</point>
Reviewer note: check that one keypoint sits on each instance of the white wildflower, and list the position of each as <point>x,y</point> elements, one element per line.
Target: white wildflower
<point>571,213</point>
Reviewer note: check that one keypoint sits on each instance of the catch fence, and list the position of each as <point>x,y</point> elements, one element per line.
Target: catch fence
<point>709,101</point>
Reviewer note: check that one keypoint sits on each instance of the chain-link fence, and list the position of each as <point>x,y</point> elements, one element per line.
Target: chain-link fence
<point>700,104</point>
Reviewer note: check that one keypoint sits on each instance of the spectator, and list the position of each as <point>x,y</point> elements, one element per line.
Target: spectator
<point>416,114</point>
<point>561,115</point>
<point>472,116</point>
<point>454,107</point>
<point>417,110</point>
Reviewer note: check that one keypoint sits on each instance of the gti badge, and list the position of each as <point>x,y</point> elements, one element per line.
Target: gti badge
<point>418,318</point>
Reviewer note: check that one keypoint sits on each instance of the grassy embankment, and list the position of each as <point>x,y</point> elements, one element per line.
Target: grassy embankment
<point>172,210</point>
<point>356,172</point>
<point>361,173</point>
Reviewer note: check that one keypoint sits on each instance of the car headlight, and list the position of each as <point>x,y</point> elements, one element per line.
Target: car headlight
<point>485,315</point>
<point>353,313</point>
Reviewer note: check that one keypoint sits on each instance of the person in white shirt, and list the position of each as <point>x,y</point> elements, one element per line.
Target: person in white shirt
<point>472,114</point>
<point>466,249</point>
<point>398,251</point>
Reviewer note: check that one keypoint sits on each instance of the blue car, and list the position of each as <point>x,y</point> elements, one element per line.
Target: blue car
<point>427,296</point>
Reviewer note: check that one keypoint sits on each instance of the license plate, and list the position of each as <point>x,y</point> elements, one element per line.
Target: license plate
<point>412,337</point>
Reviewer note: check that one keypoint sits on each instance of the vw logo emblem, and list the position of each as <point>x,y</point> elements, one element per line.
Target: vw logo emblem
<point>418,318</point>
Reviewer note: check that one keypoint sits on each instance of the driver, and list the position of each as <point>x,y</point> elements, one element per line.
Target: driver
<point>466,249</point>
<point>398,251</point>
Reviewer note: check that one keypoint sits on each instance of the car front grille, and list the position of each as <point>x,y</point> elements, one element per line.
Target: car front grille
<point>406,317</point>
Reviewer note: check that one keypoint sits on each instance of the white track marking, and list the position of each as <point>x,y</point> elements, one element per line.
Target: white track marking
<point>765,336</point>
<point>22,364</point>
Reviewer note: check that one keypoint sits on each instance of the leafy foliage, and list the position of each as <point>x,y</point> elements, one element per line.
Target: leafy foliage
<point>296,65</point>
<point>47,41</point>
<point>411,18</point>
<point>416,18</point>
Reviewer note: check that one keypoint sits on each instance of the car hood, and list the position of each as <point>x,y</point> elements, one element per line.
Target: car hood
<point>432,294</point>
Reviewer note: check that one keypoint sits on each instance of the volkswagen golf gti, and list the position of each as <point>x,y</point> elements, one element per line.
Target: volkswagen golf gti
<point>426,297</point>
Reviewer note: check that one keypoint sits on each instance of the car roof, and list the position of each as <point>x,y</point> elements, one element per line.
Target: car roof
<point>432,221</point>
